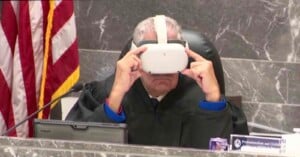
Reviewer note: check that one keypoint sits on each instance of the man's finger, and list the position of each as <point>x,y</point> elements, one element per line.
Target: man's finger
<point>139,50</point>
<point>187,72</point>
<point>194,55</point>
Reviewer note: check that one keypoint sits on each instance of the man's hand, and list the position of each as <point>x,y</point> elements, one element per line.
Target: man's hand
<point>128,70</point>
<point>202,71</point>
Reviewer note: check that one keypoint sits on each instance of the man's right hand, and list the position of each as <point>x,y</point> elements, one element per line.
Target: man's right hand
<point>128,70</point>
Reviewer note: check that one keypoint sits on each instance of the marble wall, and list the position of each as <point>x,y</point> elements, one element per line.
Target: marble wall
<point>258,41</point>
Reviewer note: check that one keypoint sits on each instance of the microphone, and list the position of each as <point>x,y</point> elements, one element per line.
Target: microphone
<point>76,88</point>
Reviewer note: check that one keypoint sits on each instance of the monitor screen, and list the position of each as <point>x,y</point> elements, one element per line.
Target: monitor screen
<point>83,131</point>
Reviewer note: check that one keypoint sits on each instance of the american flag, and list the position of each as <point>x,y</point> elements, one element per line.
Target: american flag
<point>38,59</point>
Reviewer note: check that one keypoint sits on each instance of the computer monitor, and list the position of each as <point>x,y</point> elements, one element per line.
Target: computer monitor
<point>82,131</point>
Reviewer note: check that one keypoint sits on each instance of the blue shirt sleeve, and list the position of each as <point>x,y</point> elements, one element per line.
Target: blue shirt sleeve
<point>213,106</point>
<point>114,116</point>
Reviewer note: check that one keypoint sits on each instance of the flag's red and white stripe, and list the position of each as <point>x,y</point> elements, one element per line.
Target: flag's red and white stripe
<point>30,75</point>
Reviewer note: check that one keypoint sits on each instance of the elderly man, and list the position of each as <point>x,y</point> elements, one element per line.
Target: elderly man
<point>188,108</point>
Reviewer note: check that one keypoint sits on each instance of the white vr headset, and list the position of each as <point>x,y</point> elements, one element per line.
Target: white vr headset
<point>163,56</point>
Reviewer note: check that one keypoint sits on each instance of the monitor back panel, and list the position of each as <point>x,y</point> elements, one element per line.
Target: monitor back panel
<point>83,131</point>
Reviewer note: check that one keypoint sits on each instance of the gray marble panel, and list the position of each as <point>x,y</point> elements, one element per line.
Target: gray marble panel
<point>293,83</point>
<point>256,29</point>
<point>294,18</point>
<point>96,65</point>
<point>256,81</point>
<point>272,117</point>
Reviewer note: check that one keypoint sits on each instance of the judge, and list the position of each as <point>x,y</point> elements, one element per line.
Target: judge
<point>183,108</point>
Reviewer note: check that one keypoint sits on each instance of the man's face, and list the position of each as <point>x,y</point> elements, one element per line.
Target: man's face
<point>159,84</point>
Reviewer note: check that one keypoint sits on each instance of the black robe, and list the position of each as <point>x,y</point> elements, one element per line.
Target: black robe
<point>176,121</point>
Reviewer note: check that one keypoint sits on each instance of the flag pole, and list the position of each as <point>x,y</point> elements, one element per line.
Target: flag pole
<point>46,56</point>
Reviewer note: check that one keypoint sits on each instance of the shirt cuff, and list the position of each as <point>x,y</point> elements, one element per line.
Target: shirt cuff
<point>114,116</point>
<point>213,106</point>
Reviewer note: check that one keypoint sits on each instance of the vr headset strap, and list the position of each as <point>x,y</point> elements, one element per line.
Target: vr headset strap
<point>161,29</point>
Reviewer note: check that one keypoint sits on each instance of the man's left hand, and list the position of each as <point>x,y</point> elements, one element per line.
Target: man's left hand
<point>202,71</point>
